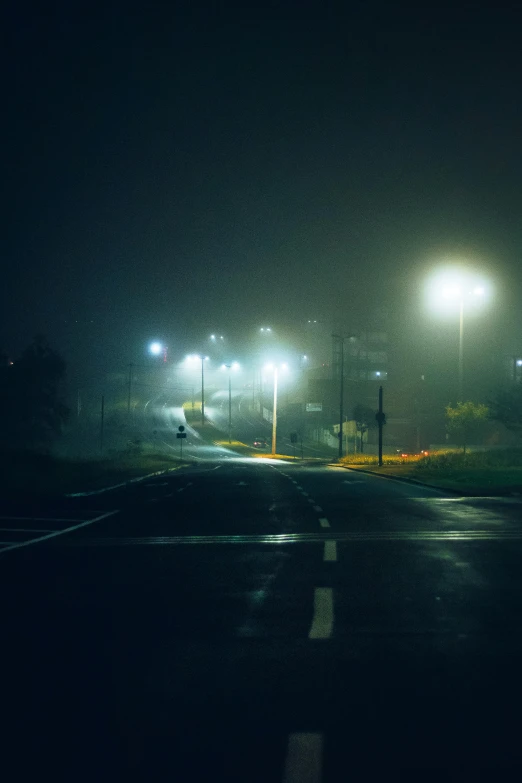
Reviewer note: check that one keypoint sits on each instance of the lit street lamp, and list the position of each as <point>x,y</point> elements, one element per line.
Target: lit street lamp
<point>229,367</point>
<point>274,415</point>
<point>461,290</point>
<point>158,348</point>
<point>196,358</point>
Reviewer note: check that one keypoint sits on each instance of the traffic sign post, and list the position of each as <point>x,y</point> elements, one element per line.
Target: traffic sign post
<point>381,421</point>
<point>181,434</point>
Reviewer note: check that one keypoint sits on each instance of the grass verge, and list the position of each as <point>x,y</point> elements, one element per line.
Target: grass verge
<point>37,474</point>
<point>494,472</point>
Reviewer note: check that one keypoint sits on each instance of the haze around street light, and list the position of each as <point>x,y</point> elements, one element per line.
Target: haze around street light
<point>453,290</point>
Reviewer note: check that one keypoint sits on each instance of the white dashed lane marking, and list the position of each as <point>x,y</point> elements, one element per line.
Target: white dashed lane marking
<point>322,622</point>
<point>318,508</point>
<point>330,551</point>
<point>324,522</point>
<point>304,758</point>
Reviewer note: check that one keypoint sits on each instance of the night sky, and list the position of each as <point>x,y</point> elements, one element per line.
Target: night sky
<point>187,167</point>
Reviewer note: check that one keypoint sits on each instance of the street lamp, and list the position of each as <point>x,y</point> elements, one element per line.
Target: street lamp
<point>197,358</point>
<point>157,348</point>
<point>275,369</point>
<point>229,367</point>
<point>462,290</point>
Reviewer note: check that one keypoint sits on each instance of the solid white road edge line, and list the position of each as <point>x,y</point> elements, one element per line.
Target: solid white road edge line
<point>136,480</point>
<point>26,530</point>
<point>322,622</point>
<point>59,532</point>
<point>330,551</point>
<point>41,519</point>
<point>304,758</point>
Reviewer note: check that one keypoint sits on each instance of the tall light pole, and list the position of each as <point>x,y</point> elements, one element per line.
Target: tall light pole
<point>130,389</point>
<point>461,291</point>
<point>461,348</point>
<point>190,362</point>
<point>230,367</point>
<point>229,407</point>
<point>275,369</point>
<point>341,339</point>
<point>202,390</point>
<point>274,415</point>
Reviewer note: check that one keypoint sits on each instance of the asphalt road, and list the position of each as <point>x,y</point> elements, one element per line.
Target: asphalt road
<point>240,621</point>
<point>161,416</point>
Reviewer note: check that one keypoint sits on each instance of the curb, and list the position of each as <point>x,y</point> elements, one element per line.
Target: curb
<point>403,479</point>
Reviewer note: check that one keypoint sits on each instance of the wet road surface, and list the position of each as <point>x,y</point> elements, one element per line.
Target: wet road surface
<point>261,622</point>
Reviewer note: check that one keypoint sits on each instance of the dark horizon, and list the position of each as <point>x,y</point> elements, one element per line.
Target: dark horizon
<point>172,171</point>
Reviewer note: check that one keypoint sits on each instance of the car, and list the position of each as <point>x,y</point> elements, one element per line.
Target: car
<point>260,443</point>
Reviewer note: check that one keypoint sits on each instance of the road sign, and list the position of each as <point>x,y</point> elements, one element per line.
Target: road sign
<point>181,434</point>
<point>314,406</point>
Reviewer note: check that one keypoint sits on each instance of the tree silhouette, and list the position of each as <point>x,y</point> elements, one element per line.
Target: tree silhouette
<point>31,408</point>
<point>506,407</point>
<point>466,422</point>
<point>365,420</point>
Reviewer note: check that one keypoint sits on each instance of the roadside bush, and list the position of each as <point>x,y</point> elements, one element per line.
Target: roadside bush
<point>457,460</point>
<point>370,459</point>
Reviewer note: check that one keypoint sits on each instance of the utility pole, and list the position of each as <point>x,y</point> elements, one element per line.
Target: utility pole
<point>130,388</point>
<point>102,422</point>
<point>381,420</point>
<point>229,368</point>
<point>274,418</point>
<point>229,407</point>
<point>341,400</point>
<point>461,351</point>
<point>202,391</point>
